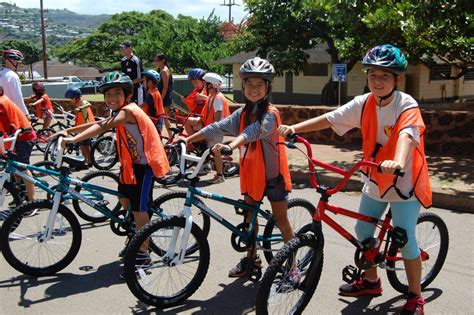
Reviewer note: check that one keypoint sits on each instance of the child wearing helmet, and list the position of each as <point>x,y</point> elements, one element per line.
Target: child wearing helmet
<point>195,100</point>
<point>84,115</point>
<point>44,107</point>
<point>9,80</point>
<point>141,153</point>
<point>392,135</point>
<point>153,105</point>
<point>264,167</point>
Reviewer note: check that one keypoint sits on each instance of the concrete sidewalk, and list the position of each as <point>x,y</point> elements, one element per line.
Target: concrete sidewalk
<point>452,177</point>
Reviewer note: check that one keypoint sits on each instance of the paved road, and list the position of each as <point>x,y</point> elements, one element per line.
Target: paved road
<point>90,285</point>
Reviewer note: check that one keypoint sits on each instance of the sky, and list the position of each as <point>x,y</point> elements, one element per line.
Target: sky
<point>194,8</point>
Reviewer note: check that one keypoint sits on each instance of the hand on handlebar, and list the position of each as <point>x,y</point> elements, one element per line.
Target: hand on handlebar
<point>217,148</point>
<point>284,130</point>
<point>66,142</point>
<point>179,139</point>
<point>62,133</point>
<point>389,167</point>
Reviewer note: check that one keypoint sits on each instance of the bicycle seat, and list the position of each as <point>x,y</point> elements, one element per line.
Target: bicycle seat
<point>76,163</point>
<point>175,129</point>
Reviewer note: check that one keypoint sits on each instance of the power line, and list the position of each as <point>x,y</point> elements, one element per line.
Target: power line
<point>230,4</point>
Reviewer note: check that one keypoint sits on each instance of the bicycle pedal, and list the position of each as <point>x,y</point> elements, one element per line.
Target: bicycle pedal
<point>255,274</point>
<point>103,203</point>
<point>351,273</point>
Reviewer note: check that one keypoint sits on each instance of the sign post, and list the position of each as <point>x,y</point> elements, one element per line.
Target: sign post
<point>339,74</point>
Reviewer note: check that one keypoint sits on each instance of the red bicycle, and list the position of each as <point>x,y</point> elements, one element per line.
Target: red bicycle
<point>282,291</point>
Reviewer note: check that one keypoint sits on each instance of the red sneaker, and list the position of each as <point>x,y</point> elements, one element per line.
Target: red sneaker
<point>361,287</point>
<point>414,305</point>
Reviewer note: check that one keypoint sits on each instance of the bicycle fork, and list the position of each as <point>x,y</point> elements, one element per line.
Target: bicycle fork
<point>173,246</point>
<point>46,235</point>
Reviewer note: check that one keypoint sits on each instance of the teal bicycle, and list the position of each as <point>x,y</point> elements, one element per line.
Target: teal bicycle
<point>177,270</point>
<point>46,242</point>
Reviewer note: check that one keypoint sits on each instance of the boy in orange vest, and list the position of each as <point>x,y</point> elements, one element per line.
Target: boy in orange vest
<point>12,119</point>
<point>84,115</point>
<point>392,135</point>
<point>264,167</point>
<point>141,153</point>
<point>44,107</point>
<point>153,105</point>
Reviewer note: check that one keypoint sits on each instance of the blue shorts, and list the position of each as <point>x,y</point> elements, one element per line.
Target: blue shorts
<point>139,194</point>
<point>275,189</point>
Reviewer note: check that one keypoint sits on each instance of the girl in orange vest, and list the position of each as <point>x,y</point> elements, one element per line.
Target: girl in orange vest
<point>392,135</point>
<point>84,115</point>
<point>264,167</point>
<point>44,107</point>
<point>195,100</point>
<point>153,105</point>
<point>141,153</point>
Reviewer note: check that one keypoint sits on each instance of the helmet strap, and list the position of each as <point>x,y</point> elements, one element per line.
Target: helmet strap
<point>383,98</point>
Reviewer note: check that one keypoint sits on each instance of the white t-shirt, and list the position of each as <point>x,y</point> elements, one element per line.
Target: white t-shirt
<point>12,88</point>
<point>348,117</point>
<point>218,103</point>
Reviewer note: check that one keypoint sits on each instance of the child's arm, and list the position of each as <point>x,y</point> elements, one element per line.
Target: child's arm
<point>405,145</point>
<point>313,124</point>
<point>41,100</point>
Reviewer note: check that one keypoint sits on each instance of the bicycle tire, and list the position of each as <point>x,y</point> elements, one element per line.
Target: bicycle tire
<point>42,136</point>
<point>173,202</point>
<point>397,277</point>
<point>275,280</point>
<point>229,168</point>
<point>173,154</point>
<point>13,198</point>
<point>104,160</point>
<point>138,277</point>
<point>20,222</point>
<point>296,219</point>
<point>88,213</point>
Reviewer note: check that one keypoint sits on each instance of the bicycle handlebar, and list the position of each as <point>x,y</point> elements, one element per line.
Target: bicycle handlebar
<point>60,152</point>
<point>11,139</point>
<point>199,159</point>
<point>293,138</point>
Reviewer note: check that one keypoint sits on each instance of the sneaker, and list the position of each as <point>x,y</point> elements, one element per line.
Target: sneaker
<point>206,168</point>
<point>124,250</point>
<point>290,281</point>
<point>361,287</point>
<point>242,267</point>
<point>217,179</point>
<point>414,305</point>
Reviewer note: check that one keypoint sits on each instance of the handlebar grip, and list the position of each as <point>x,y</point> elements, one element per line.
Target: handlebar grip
<point>291,136</point>
<point>398,172</point>
<point>226,151</point>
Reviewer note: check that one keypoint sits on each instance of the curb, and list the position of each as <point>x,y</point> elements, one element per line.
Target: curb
<point>441,199</point>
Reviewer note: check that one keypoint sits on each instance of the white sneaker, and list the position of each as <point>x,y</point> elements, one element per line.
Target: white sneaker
<point>217,179</point>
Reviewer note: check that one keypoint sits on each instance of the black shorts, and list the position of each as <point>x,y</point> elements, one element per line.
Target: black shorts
<point>275,189</point>
<point>139,194</point>
<point>23,151</point>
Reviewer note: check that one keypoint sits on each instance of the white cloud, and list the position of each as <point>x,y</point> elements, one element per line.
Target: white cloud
<point>194,8</point>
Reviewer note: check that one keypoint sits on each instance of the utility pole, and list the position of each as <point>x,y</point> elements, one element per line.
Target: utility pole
<point>230,4</point>
<point>43,39</point>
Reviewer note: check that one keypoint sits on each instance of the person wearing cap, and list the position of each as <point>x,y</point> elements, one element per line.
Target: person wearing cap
<point>132,66</point>
<point>11,59</point>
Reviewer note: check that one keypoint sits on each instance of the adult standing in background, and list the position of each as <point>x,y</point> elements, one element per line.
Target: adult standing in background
<point>132,66</point>
<point>9,78</point>
<point>165,86</point>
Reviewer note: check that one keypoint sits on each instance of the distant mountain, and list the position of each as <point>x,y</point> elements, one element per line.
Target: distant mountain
<point>61,25</point>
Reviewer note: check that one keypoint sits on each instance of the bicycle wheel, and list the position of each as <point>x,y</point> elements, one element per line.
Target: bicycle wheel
<point>12,199</point>
<point>159,282</point>
<point>103,179</point>
<point>285,292</point>
<point>173,154</point>
<point>42,137</point>
<point>433,239</point>
<point>229,168</point>
<point>300,214</point>
<point>104,153</point>
<point>173,202</point>
<point>22,233</point>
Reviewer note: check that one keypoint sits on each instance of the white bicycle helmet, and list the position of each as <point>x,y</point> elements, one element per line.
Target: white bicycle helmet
<point>214,79</point>
<point>257,68</point>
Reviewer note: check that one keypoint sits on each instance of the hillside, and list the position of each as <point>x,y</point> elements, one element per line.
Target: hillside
<point>61,25</point>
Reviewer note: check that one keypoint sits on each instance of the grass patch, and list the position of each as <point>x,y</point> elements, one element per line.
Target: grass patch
<point>94,97</point>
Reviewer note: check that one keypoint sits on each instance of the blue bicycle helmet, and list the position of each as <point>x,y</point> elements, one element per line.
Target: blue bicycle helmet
<point>116,79</point>
<point>196,74</point>
<point>152,75</point>
<point>73,92</point>
<point>386,57</point>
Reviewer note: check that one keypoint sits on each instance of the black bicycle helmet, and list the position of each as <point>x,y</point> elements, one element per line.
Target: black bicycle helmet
<point>386,57</point>
<point>257,68</point>
<point>116,79</point>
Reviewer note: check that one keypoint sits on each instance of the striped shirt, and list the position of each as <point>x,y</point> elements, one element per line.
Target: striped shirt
<point>266,132</point>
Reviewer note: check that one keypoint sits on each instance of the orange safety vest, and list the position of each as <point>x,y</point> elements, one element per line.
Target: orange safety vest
<point>208,110</point>
<point>154,151</point>
<point>194,105</point>
<point>45,104</point>
<point>376,153</point>
<point>85,115</point>
<point>16,119</point>
<point>157,101</point>
<point>252,164</point>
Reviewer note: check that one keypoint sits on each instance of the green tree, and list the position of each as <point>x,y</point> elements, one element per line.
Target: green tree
<point>31,53</point>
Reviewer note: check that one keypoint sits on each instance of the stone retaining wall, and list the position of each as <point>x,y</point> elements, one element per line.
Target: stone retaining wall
<point>448,132</point>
